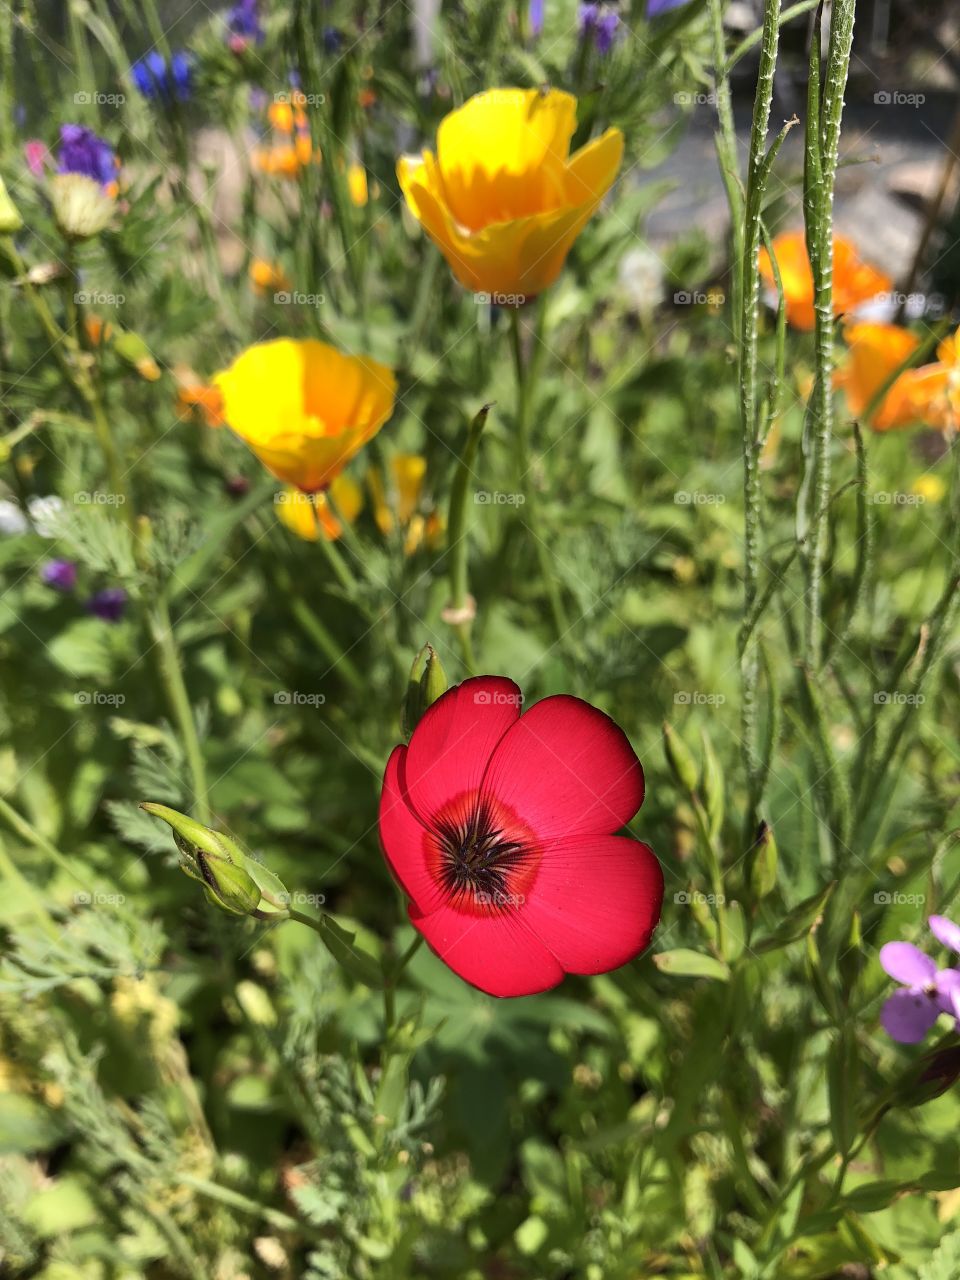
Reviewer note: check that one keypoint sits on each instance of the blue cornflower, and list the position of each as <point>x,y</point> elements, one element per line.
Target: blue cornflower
<point>155,78</point>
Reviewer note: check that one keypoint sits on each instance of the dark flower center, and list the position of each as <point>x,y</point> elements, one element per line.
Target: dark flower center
<point>484,857</point>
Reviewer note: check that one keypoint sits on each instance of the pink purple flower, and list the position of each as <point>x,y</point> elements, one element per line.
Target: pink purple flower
<point>927,992</point>
<point>82,151</point>
<point>59,574</point>
<point>600,24</point>
<point>109,604</point>
<point>244,20</point>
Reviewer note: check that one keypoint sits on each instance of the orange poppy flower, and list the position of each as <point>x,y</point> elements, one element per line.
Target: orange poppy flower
<point>854,281</point>
<point>917,397</point>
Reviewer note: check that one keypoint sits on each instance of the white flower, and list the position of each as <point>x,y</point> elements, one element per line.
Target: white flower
<point>641,278</point>
<point>12,519</point>
<point>45,512</point>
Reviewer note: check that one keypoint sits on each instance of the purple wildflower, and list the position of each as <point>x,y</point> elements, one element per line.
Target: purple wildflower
<point>155,79</point>
<point>59,574</point>
<point>656,7</point>
<point>108,604</point>
<point>82,151</point>
<point>599,24</point>
<point>945,931</point>
<point>909,1014</point>
<point>535,16</point>
<point>243,20</point>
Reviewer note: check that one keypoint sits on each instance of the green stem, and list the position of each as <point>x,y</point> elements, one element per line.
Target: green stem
<point>244,1204</point>
<point>526,381</point>
<point>171,673</point>
<point>819,183</point>
<point>457,533</point>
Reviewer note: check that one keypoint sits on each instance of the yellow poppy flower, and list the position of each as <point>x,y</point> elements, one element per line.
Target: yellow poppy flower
<point>854,281</point>
<point>304,408</point>
<point>268,276</point>
<point>402,506</point>
<point>309,515</point>
<point>503,199</point>
<point>357,185</point>
<point>929,487</point>
<point>917,397</point>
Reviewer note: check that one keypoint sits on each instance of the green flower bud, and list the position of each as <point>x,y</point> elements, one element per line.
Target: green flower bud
<point>763,862</point>
<point>10,220</point>
<point>427,682</point>
<point>231,878</point>
<point>681,762</point>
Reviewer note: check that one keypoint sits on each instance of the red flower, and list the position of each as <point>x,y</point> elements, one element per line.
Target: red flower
<point>497,827</point>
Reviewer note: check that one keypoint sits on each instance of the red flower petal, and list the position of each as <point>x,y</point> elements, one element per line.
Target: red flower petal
<point>451,745</point>
<point>567,769</point>
<point>495,953</point>
<point>402,838</point>
<point>595,901</point>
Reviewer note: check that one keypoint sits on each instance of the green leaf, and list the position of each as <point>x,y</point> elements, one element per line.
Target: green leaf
<point>684,963</point>
<point>798,921</point>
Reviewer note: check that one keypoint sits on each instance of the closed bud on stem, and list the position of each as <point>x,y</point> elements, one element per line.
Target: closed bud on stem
<point>232,880</point>
<point>764,860</point>
<point>10,220</point>
<point>427,682</point>
<point>679,758</point>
